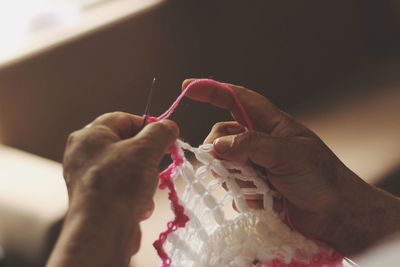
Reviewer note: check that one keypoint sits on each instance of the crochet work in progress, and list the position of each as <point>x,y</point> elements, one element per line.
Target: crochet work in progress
<point>204,233</point>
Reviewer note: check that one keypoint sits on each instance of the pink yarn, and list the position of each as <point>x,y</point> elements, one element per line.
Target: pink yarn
<point>199,83</point>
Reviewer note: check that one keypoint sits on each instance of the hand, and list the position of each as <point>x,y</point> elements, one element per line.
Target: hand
<point>323,198</point>
<point>113,160</point>
<point>111,172</point>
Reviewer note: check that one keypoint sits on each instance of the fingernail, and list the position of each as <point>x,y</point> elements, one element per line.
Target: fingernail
<point>148,212</point>
<point>171,126</point>
<point>223,144</point>
<point>147,215</point>
<point>186,82</point>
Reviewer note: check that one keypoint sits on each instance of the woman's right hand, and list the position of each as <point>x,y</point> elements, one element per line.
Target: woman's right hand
<point>324,199</point>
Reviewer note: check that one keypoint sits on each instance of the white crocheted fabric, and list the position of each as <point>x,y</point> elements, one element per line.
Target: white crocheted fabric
<point>218,236</point>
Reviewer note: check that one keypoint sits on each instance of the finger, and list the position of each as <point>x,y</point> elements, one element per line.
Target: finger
<point>259,148</point>
<point>264,115</point>
<point>154,140</point>
<point>148,211</point>
<point>222,129</point>
<point>186,82</point>
<point>124,125</point>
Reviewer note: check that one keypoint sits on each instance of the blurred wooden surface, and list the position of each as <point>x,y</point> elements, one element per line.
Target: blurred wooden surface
<point>297,54</point>
<point>33,200</point>
<point>287,51</point>
<point>56,23</point>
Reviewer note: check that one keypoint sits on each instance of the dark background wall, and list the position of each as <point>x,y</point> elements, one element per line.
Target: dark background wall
<point>294,52</point>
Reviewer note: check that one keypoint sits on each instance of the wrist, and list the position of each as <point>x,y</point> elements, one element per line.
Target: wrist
<point>109,232</point>
<point>364,215</point>
<point>90,202</point>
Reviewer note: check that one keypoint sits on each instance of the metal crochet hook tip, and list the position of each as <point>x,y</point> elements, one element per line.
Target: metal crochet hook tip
<point>148,104</point>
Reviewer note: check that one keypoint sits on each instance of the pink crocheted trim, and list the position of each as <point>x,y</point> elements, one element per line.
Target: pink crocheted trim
<point>181,218</point>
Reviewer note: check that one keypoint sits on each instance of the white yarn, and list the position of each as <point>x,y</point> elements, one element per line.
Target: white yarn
<point>216,238</point>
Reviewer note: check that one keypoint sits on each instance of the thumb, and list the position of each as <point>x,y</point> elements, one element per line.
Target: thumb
<point>155,139</point>
<point>257,147</point>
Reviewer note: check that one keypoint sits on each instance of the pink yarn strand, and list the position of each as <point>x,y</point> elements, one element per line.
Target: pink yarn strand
<point>215,84</point>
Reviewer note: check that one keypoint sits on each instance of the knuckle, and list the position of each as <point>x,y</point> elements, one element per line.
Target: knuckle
<point>218,126</point>
<point>111,116</point>
<point>246,93</point>
<point>241,140</point>
<point>84,138</point>
<point>248,139</point>
<point>72,137</point>
<point>104,116</point>
<point>77,137</point>
<point>119,115</point>
<point>289,126</point>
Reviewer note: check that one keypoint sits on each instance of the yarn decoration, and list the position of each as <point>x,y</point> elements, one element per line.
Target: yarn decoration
<point>201,235</point>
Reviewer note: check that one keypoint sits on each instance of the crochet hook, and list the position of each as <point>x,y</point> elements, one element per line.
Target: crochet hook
<point>148,104</point>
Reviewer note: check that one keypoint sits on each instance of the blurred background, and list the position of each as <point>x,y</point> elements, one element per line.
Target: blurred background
<point>335,65</point>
